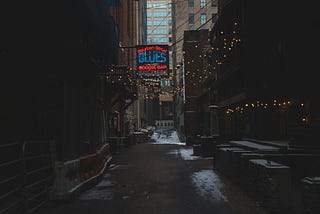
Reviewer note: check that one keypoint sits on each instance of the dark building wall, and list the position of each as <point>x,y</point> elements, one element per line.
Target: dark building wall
<point>273,61</point>
<point>194,44</point>
<point>51,53</point>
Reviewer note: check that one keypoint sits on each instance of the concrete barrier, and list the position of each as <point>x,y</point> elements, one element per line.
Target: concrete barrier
<point>72,176</point>
<point>67,179</point>
<point>311,194</point>
<point>271,184</point>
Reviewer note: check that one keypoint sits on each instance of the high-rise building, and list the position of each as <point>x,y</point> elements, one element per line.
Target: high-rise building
<point>159,22</point>
<point>187,15</point>
<point>159,31</point>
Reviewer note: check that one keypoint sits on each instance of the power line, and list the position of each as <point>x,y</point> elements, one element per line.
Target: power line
<point>201,8</point>
<point>204,24</point>
<point>156,27</point>
<point>181,39</point>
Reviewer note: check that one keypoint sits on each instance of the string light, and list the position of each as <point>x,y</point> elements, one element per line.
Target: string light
<point>283,106</point>
<point>230,40</point>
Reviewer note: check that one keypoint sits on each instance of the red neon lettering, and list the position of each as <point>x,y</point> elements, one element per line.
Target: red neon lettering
<point>161,49</point>
<point>147,67</point>
<point>161,67</point>
<point>148,48</point>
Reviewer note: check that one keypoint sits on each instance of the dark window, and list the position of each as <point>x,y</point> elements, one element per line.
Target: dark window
<point>190,3</point>
<point>214,3</point>
<point>191,18</point>
<point>214,17</point>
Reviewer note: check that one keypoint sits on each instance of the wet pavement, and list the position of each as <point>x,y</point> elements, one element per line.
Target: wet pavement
<point>160,177</point>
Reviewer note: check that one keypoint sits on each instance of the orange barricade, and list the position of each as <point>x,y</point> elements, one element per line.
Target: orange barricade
<point>91,165</point>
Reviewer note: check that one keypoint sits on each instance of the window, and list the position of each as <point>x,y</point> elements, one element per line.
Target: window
<point>149,31</point>
<point>214,17</point>
<point>160,31</point>
<point>169,5</point>
<point>160,40</point>
<point>202,3</point>
<point>149,22</point>
<point>149,40</point>
<point>149,5</point>
<point>149,14</point>
<point>191,18</point>
<point>170,22</point>
<point>203,18</point>
<point>160,22</point>
<point>160,5</point>
<point>190,3</point>
<point>214,3</point>
<point>159,14</point>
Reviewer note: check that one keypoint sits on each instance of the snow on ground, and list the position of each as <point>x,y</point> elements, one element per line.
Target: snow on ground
<point>208,185</point>
<point>185,154</point>
<point>166,137</point>
<point>101,191</point>
<point>95,194</point>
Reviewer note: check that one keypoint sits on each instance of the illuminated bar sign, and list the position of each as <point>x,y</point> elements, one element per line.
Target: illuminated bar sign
<point>153,60</point>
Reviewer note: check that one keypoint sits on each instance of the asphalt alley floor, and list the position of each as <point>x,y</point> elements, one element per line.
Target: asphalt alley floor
<point>161,178</point>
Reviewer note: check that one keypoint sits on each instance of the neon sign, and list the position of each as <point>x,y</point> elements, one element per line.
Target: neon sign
<point>153,60</point>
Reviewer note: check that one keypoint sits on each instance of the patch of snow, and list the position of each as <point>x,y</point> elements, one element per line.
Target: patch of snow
<point>102,191</point>
<point>119,167</point>
<point>208,185</point>
<point>105,183</point>
<point>185,154</point>
<point>96,194</point>
<point>253,145</point>
<point>166,137</point>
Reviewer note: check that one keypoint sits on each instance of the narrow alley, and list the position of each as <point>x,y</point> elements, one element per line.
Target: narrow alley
<point>161,176</point>
<point>159,107</point>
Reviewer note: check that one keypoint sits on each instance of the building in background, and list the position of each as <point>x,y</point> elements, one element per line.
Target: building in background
<point>159,22</point>
<point>158,98</point>
<point>136,113</point>
<point>188,15</point>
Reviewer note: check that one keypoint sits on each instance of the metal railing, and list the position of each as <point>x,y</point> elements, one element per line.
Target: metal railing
<point>11,178</point>
<point>26,176</point>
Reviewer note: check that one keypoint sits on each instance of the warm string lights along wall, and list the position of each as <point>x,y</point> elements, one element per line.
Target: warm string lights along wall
<point>275,105</point>
<point>228,41</point>
<point>212,57</point>
<point>121,75</point>
<point>126,76</point>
